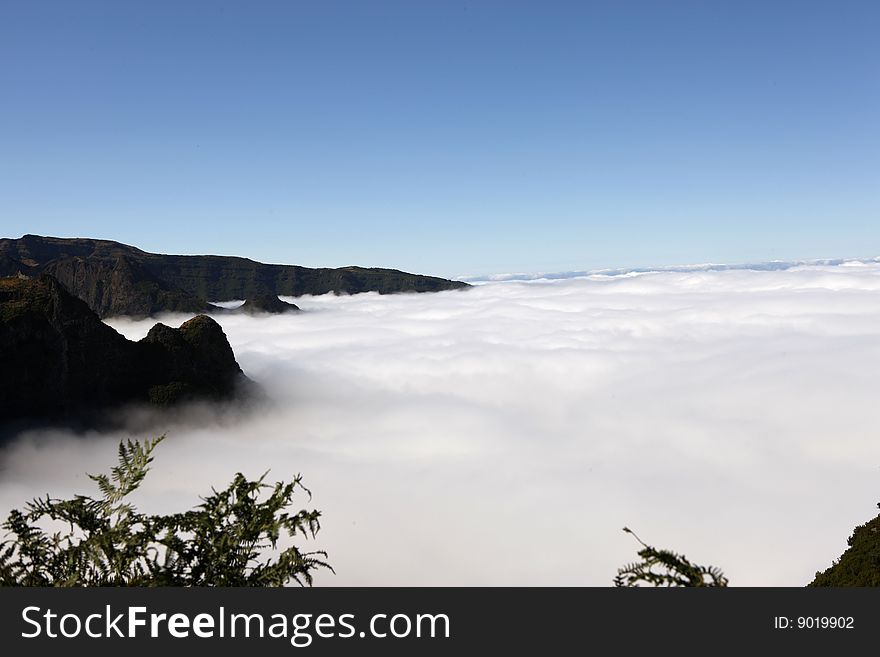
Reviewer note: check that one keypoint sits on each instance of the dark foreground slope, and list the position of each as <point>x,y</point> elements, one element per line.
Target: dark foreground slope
<point>116,279</point>
<point>859,565</point>
<point>58,357</point>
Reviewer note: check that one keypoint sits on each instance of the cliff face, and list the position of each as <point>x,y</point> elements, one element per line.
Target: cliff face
<point>56,356</point>
<point>121,286</point>
<point>116,279</point>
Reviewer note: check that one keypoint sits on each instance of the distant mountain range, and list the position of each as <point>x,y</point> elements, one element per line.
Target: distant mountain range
<point>117,279</point>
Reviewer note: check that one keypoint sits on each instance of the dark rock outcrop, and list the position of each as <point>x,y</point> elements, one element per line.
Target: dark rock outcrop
<point>267,303</point>
<point>58,357</point>
<point>116,279</point>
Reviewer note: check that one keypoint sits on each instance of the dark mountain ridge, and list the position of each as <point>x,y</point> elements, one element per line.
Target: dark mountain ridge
<point>117,279</point>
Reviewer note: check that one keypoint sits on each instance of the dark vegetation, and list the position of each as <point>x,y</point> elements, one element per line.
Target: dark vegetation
<point>116,279</point>
<point>666,568</point>
<point>859,565</point>
<point>57,357</point>
<point>230,539</point>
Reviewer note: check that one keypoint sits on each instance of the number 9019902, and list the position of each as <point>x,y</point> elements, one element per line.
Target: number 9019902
<point>825,622</point>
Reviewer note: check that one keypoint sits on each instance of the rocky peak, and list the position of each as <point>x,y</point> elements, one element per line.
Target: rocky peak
<point>57,356</point>
<point>267,303</point>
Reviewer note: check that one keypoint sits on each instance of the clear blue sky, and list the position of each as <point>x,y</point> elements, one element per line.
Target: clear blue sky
<point>446,137</point>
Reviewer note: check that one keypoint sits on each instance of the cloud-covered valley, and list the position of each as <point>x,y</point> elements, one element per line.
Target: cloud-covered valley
<point>504,435</point>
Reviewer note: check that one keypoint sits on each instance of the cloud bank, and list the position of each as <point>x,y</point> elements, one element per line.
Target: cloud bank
<point>503,435</point>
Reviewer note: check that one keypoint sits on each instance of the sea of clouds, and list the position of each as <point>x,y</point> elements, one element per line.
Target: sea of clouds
<point>503,435</point>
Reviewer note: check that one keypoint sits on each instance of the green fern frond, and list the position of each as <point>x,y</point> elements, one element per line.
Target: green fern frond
<point>666,568</point>
<point>230,539</point>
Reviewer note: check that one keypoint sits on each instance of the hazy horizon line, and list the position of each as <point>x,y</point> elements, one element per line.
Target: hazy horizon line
<point>762,265</point>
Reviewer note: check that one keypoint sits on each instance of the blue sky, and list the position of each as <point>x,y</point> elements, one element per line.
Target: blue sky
<point>445,137</point>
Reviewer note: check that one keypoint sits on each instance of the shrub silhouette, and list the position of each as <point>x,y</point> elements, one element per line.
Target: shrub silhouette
<point>665,568</point>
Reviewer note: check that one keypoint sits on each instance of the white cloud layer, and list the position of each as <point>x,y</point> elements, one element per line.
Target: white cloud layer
<point>503,435</point>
